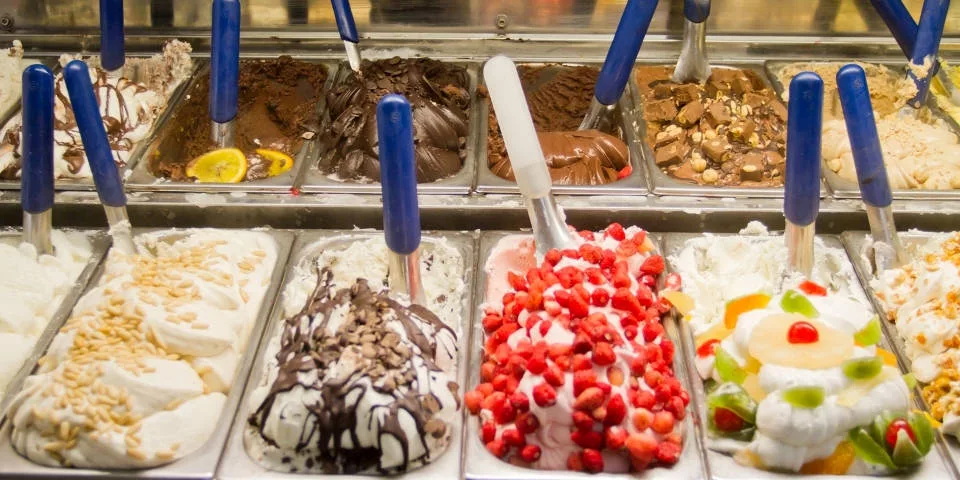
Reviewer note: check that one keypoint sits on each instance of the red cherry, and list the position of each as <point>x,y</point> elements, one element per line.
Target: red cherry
<point>812,288</point>
<point>726,420</point>
<point>706,348</point>
<point>894,429</point>
<point>802,332</point>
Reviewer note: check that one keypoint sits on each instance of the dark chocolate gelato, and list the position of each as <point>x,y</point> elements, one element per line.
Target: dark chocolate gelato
<point>729,132</point>
<point>277,110</point>
<point>558,97</point>
<point>438,95</point>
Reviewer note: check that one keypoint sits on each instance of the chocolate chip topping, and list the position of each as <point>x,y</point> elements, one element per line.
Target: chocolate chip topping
<point>379,347</point>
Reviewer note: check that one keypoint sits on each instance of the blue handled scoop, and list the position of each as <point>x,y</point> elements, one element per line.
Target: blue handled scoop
<point>112,49</point>
<point>224,70</point>
<point>801,196</point>
<point>933,17</point>
<point>401,213</point>
<point>37,174</point>
<point>348,32</point>
<point>526,156</point>
<point>692,66</point>
<point>94,136</point>
<point>620,58</point>
<point>904,30</point>
<point>868,160</point>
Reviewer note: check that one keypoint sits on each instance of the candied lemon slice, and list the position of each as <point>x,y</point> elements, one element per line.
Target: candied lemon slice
<point>279,162</point>
<point>226,165</point>
<point>769,344</point>
<point>681,301</point>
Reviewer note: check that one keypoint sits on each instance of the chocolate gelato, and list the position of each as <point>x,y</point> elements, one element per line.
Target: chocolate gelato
<point>440,101</point>
<point>558,97</point>
<point>277,110</point>
<point>729,132</point>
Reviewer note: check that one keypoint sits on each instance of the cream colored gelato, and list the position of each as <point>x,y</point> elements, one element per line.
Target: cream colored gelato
<point>889,90</point>
<point>129,106</point>
<point>139,374</point>
<point>32,291</point>
<point>12,65</point>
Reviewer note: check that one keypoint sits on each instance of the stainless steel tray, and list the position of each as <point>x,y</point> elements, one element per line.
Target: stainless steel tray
<point>722,465</point>
<point>314,181</point>
<point>200,464</point>
<point>663,184</point>
<point>480,464</point>
<point>100,242</point>
<point>843,188</point>
<point>76,184</point>
<point>856,243</point>
<point>237,464</point>
<point>621,117</point>
<point>141,179</point>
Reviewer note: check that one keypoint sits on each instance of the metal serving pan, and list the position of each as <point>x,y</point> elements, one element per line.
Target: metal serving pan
<point>664,184</point>
<point>74,184</point>
<point>237,464</point>
<point>480,464</point>
<point>200,464</point>
<point>100,242</point>
<point>314,181</point>
<point>856,244</point>
<point>141,179</point>
<point>619,118</point>
<point>722,465</point>
<point>843,188</point>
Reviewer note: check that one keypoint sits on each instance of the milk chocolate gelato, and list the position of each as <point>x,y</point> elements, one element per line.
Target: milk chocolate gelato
<point>277,110</point>
<point>558,97</point>
<point>729,132</point>
<point>440,101</point>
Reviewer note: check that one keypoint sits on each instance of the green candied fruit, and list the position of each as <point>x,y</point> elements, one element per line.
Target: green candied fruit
<point>731,413</point>
<point>863,368</point>
<point>727,367</point>
<point>910,379</point>
<point>804,397</point>
<point>795,302</point>
<point>922,429</point>
<point>905,453</point>
<point>868,450</point>
<point>870,334</point>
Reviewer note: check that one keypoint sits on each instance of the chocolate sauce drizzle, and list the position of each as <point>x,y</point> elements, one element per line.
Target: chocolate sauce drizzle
<point>386,363</point>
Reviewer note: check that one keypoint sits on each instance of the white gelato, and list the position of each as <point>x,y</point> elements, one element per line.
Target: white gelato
<point>129,106</point>
<point>139,374</point>
<point>31,293</point>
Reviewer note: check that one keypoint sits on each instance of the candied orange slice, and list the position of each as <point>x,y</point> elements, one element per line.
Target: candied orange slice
<point>741,305</point>
<point>888,357</point>
<point>279,162</point>
<point>838,463</point>
<point>226,165</point>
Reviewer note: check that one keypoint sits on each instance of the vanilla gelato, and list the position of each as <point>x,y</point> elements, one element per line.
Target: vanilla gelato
<point>138,375</point>
<point>129,104</point>
<point>716,269</point>
<point>359,381</point>
<point>921,298</point>
<point>32,292</point>
<point>889,90</point>
<point>12,65</point>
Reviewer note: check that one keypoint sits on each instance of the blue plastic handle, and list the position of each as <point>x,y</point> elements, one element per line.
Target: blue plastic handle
<point>696,11</point>
<point>864,141</point>
<point>224,60</point>
<point>933,17</point>
<point>345,23</point>
<point>623,50</point>
<point>94,135</point>
<point>37,174</point>
<point>801,196</point>
<point>398,177</point>
<point>112,50</point>
<point>900,23</point>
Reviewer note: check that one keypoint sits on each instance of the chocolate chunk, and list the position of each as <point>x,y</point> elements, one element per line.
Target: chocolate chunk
<point>716,149</point>
<point>743,130</point>
<point>660,111</point>
<point>754,100</point>
<point>685,171</point>
<point>752,168</point>
<point>779,110</point>
<point>741,85</point>
<point>662,90</point>
<point>670,134</point>
<point>686,93</point>
<point>669,155</point>
<point>718,114</point>
<point>773,159</point>
<point>690,114</point>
